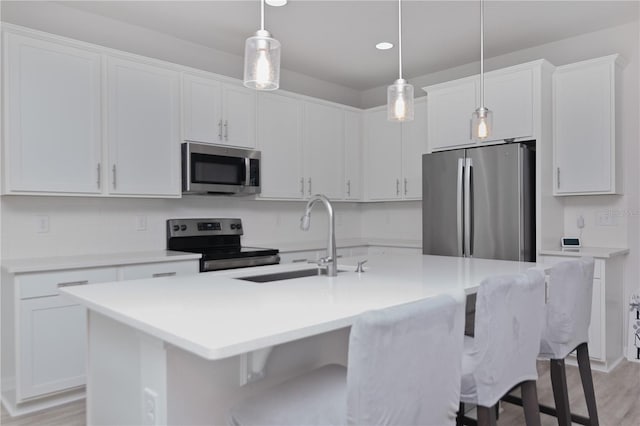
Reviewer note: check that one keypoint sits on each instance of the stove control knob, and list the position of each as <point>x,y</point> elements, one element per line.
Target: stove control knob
<point>176,227</point>
<point>183,227</point>
<point>233,226</point>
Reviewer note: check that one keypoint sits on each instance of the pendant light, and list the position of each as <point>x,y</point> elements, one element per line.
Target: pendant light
<point>400,93</point>
<point>482,117</point>
<point>262,59</point>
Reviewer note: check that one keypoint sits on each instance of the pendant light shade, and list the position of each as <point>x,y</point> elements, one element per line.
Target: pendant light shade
<point>400,93</point>
<point>262,59</point>
<point>400,101</point>
<point>482,117</point>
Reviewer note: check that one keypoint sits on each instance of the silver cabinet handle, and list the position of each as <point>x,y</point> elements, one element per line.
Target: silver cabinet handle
<point>349,188</point>
<point>73,283</point>
<point>98,178</point>
<point>220,129</point>
<point>309,186</point>
<point>163,274</point>
<point>113,169</point>
<point>226,130</point>
<point>299,260</point>
<point>405,186</point>
<point>558,177</point>
<point>302,186</point>
<point>397,186</point>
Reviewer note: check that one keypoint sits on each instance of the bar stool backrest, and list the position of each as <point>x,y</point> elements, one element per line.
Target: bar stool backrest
<point>509,313</point>
<point>405,364</point>
<point>568,310</point>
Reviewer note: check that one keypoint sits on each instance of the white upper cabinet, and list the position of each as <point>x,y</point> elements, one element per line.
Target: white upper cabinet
<point>509,94</point>
<point>449,109</point>
<point>414,144</point>
<point>584,130</point>
<point>352,155</point>
<point>512,94</point>
<point>53,117</point>
<point>280,137</point>
<point>143,133</point>
<point>394,154</point>
<point>324,150</point>
<point>219,113</point>
<point>384,155</point>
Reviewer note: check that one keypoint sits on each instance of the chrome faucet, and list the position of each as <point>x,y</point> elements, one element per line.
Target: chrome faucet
<point>330,262</point>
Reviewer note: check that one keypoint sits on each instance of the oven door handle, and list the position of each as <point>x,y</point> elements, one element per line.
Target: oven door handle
<point>247,171</point>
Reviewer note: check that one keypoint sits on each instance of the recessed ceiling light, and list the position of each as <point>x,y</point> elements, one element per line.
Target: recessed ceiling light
<point>276,3</point>
<point>385,45</point>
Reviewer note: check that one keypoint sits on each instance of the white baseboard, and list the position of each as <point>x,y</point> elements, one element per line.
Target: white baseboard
<point>9,401</point>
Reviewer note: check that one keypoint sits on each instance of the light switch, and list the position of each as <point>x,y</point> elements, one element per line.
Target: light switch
<point>42,224</point>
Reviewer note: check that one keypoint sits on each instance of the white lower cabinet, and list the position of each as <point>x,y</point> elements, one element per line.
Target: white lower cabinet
<point>44,333</point>
<point>53,336</point>
<point>156,270</point>
<point>605,330</point>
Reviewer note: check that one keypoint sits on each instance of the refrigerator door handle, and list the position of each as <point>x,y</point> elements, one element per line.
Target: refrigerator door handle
<point>460,204</point>
<point>468,207</point>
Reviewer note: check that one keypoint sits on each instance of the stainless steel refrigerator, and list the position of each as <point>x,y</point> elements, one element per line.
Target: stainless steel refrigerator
<point>480,202</point>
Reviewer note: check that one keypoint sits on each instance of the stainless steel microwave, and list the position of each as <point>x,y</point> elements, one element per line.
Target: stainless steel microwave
<point>213,169</point>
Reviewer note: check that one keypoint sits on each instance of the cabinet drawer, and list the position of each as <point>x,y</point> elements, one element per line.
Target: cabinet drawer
<point>47,283</point>
<point>155,270</point>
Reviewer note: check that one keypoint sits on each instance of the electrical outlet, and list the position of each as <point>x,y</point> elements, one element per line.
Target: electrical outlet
<point>580,221</point>
<point>150,404</point>
<point>605,218</point>
<point>141,223</point>
<point>42,224</point>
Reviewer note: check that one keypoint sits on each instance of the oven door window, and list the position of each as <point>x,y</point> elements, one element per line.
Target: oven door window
<point>217,169</point>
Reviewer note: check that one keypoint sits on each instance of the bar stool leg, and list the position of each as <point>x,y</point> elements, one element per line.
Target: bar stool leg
<point>560,392</point>
<point>587,383</point>
<point>486,416</point>
<point>530,403</point>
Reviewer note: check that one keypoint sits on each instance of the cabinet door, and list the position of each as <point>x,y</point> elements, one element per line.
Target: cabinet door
<point>323,150</point>
<point>53,112</point>
<point>414,144</point>
<point>596,340</point>
<point>202,104</point>
<point>52,348</point>
<point>279,127</point>
<point>156,270</point>
<point>352,155</point>
<point>239,114</point>
<point>449,110</point>
<point>510,97</point>
<point>143,129</point>
<point>583,129</point>
<point>383,143</point>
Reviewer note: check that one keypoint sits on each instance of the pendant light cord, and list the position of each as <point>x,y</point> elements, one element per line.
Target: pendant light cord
<point>400,38</point>
<point>482,53</point>
<point>262,15</point>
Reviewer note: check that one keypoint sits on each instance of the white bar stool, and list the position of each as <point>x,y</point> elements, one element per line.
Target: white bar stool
<point>566,328</point>
<point>404,368</point>
<point>502,353</point>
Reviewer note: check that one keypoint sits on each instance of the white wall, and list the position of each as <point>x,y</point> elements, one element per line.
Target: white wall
<point>106,225</point>
<point>80,25</point>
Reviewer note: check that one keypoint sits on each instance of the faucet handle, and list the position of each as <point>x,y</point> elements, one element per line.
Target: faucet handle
<point>360,268</point>
<point>325,260</point>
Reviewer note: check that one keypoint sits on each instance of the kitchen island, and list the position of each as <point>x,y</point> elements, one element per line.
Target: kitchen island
<point>182,350</point>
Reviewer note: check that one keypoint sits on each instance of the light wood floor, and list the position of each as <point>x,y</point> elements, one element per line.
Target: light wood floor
<point>617,393</point>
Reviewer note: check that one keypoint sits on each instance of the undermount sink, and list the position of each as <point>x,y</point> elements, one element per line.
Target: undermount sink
<point>279,276</point>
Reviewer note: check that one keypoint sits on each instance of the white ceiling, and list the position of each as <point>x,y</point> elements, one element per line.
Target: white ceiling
<point>334,40</point>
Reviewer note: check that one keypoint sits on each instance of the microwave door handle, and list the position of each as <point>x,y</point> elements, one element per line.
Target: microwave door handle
<point>247,171</point>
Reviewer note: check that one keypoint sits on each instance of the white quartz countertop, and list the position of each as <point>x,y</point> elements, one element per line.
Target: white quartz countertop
<point>286,247</point>
<point>18,266</point>
<point>597,252</point>
<point>215,315</point>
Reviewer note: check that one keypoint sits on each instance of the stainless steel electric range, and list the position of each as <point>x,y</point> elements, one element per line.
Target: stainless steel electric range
<point>219,242</point>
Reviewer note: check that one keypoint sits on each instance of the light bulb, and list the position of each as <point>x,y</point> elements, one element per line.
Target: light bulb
<point>264,70</point>
<point>400,107</point>
<point>483,130</point>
